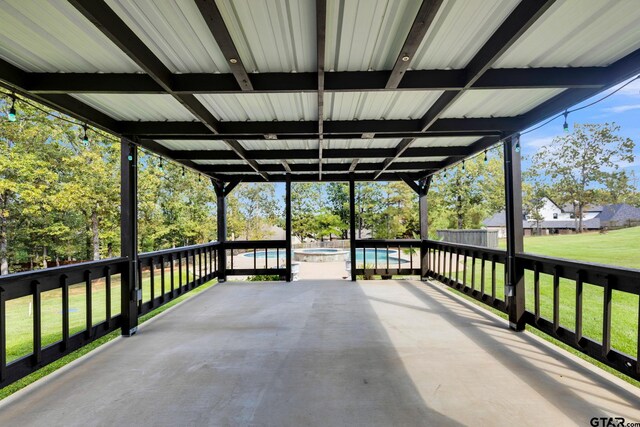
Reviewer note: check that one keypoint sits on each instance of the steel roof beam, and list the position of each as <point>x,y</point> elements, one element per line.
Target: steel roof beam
<point>112,26</point>
<point>329,167</point>
<point>220,33</point>
<point>321,24</point>
<point>524,15</point>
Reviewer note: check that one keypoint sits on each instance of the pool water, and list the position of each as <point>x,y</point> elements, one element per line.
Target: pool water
<point>369,255</point>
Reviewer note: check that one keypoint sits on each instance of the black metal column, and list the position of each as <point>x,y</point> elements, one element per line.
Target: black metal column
<point>352,224</point>
<point>222,230</point>
<point>130,291</point>
<point>287,227</point>
<point>514,288</point>
<point>424,225</point>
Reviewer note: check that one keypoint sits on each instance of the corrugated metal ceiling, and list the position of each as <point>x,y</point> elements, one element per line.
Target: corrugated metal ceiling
<point>361,143</point>
<point>498,102</point>
<point>262,106</point>
<point>193,145</point>
<point>367,34</point>
<point>578,33</point>
<point>176,33</point>
<point>272,35</point>
<point>378,105</point>
<point>284,144</point>
<point>459,31</point>
<point>458,141</point>
<point>52,36</point>
<point>137,107</point>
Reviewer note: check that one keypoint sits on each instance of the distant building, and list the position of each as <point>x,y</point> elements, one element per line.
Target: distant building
<point>562,220</point>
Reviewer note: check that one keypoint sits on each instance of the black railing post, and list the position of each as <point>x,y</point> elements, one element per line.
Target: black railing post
<point>352,224</point>
<point>130,286</point>
<point>514,287</point>
<point>424,225</point>
<point>287,228</point>
<point>222,230</point>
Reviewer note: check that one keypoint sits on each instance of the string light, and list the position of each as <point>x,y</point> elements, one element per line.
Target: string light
<point>183,171</point>
<point>565,126</point>
<point>12,111</point>
<point>485,156</point>
<point>161,167</point>
<point>463,165</point>
<point>85,138</point>
<point>518,145</point>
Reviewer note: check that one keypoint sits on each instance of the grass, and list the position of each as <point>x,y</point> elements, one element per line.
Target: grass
<point>19,319</point>
<point>619,248</point>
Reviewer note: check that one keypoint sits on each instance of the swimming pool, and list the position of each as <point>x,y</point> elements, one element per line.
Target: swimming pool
<point>369,255</point>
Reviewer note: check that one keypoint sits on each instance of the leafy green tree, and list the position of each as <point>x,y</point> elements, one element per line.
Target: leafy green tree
<point>306,203</point>
<point>326,224</point>
<point>582,161</point>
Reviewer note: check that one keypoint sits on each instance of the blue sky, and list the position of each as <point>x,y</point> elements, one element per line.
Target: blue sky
<point>623,108</point>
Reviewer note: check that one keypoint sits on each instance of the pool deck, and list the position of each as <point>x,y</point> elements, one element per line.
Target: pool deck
<point>325,353</point>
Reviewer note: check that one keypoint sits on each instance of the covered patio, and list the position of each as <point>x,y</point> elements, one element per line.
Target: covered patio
<point>326,90</point>
<point>375,353</point>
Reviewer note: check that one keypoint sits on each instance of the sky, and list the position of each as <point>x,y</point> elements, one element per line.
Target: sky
<point>623,108</point>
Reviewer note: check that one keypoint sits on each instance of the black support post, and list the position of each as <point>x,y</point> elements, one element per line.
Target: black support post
<point>222,230</point>
<point>130,290</point>
<point>424,225</point>
<point>288,227</point>
<point>514,288</point>
<point>352,224</point>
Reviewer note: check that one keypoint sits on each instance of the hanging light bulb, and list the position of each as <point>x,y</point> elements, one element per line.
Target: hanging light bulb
<point>518,146</point>
<point>485,156</point>
<point>463,165</point>
<point>161,163</point>
<point>85,138</point>
<point>183,171</point>
<point>565,126</point>
<point>12,111</point>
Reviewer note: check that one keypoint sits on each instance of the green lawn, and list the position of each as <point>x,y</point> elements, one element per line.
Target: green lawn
<point>620,247</point>
<point>19,312</point>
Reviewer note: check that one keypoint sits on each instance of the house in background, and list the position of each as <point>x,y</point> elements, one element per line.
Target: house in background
<point>562,220</point>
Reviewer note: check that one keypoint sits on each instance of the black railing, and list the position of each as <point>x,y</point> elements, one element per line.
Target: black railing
<point>165,275</point>
<point>387,257</point>
<point>22,297</point>
<point>260,257</point>
<point>479,272</point>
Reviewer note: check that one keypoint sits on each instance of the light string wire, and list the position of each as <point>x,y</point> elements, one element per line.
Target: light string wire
<point>105,135</point>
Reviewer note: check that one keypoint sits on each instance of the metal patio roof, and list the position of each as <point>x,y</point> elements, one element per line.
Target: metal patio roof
<point>253,90</point>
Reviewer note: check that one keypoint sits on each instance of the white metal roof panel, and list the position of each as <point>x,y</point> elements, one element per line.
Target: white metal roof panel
<point>367,34</point>
<point>272,35</point>
<point>578,33</point>
<point>176,33</point>
<point>498,102</point>
<point>349,160</point>
<point>262,106</point>
<point>178,144</point>
<point>52,36</point>
<point>361,143</point>
<point>460,29</point>
<point>137,107</point>
<point>280,144</point>
<point>455,141</point>
<point>378,105</point>
<point>419,159</point>
<point>220,162</point>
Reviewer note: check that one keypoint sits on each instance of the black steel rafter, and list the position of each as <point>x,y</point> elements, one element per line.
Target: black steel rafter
<point>110,24</point>
<point>519,21</point>
<point>345,81</point>
<point>425,16</point>
<point>321,24</point>
<point>213,18</point>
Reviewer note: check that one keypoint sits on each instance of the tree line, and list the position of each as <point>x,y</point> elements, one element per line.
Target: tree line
<point>60,194</point>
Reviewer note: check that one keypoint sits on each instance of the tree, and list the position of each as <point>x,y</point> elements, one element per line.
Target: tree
<point>338,201</point>
<point>326,224</point>
<point>306,203</point>
<point>582,161</point>
<point>258,208</point>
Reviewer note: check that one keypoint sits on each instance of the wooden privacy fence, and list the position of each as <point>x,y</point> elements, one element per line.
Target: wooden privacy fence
<point>486,238</point>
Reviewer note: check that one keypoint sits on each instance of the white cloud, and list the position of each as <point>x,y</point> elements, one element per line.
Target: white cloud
<point>621,108</point>
<point>538,143</point>
<point>632,89</point>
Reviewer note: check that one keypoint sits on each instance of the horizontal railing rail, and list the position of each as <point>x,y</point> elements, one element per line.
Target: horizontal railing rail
<point>443,263</point>
<point>178,271</point>
<point>258,257</point>
<point>456,265</point>
<point>22,296</point>
<point>397,257</point>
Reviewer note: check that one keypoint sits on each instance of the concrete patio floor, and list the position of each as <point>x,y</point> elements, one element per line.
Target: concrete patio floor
<point>330,353</point>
